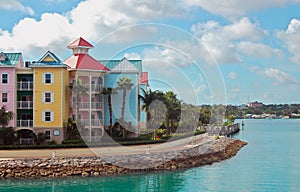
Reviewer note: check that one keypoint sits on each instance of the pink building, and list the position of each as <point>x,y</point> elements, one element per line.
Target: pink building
<point>255,104</point>
<point>9,62</point>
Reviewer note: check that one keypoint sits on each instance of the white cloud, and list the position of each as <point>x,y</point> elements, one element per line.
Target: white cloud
<point>133,56</point>
<point>221,41</point>
<point>90,19</point>
<point>259,50</point>
<point>276,74</point>
<point>232,75</point>
<point>15,5</point>
<point>235,8</point>
<point>291,39</point>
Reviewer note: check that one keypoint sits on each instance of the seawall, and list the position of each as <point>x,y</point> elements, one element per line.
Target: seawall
<point>193,156</point>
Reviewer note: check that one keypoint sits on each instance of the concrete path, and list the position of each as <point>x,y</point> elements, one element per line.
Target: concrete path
<point>107,151</point>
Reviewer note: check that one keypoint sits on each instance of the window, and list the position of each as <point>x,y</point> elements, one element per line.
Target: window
<point>48,134</point>
<point>48,116</point>
<point>4,98</point>
<point>48,78</point>
<point>4,78</point>
<point>48,97</point>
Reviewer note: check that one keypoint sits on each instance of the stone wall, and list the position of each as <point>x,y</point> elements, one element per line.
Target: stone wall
<point>220,149</point>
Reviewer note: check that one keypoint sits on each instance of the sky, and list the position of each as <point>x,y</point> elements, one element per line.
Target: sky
<point>206,51</point>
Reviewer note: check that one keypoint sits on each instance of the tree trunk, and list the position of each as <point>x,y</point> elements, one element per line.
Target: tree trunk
<point>167,124</point>
<point>123,112</point>
<point>110,115</point>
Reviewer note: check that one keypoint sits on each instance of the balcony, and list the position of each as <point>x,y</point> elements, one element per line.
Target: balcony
<point>25,104</point>
<point>87,105</point>
<point>25,85</point>
<point>25,123</point>
<point>94,87</point>
<point>94,122</point>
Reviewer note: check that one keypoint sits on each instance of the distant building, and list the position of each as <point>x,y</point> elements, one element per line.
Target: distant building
<point>255,104</point>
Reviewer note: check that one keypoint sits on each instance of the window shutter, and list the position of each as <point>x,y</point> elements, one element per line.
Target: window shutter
<point>52,116</point>
<point>44,78</point>
<point>44,97</point>
<point>52,97</point>
<point>52,78</point>
<point>43,116</point>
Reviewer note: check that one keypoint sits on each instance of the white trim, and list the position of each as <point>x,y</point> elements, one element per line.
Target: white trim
<point>6,97</point>
<point>51,78</point>
<point>51,116</point>
<point>6,78</point>
<point>51,96</point>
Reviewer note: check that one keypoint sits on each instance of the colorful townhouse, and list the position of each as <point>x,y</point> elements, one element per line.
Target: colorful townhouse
<point>43,94</point>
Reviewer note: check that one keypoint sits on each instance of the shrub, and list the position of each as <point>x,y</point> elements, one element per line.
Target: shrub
<point>51,142</point>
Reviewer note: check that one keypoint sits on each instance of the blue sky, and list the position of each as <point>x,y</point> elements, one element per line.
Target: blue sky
<point>207,51</point>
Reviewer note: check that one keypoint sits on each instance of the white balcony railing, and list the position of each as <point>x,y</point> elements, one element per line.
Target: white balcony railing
<point>94,122</point>
<point>25,104</point>
<point>92,138</point>
<point>25,85</point>
<point>94,87</point>
<point>86,105</point>
<point>25,123</point>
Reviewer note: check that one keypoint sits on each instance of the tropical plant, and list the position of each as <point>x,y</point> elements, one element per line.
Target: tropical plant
<point>78,89</point>
<point>124,84</point>
<point>7,133</point>
<point>108,92</point>
<point>72,130</point>
<point>173,110</point>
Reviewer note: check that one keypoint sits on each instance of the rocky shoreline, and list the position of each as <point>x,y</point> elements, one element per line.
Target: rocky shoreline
<point>193,156</point>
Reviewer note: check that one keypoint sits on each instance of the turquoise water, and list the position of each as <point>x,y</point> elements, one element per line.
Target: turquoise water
<point>270,162</point>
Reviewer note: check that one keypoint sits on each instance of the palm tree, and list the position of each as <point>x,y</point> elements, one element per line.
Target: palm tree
<point>78,89</point>
<point>124,84</point>
<point>7,133</point>
<point>72,130</point>
<point>147,98</point>
<point>109,91</point>
<point>173,110</point>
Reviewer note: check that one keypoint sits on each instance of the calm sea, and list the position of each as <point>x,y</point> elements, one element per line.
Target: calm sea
<point>270,162</point>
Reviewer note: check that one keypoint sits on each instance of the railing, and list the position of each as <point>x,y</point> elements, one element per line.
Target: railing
<point>25,104</point>
<point>94,87</point>
<point>94,122</point>
<point>86,105</point>
<point>25,85</point>
<point>25,123</point>
<point>92,138</point>
<point>26,141</point>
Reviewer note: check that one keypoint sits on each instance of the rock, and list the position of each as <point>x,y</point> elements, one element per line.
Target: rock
<point>85,174</point>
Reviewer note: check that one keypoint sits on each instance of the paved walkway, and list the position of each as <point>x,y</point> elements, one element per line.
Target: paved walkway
<point>107,151</point>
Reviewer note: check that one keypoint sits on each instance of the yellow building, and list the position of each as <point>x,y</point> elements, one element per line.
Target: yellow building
<point>50,108</point>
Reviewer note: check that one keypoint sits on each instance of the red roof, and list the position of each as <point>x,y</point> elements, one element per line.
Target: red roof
<point>80,42</point>
<point>144,78</point>
<point>84,61</point>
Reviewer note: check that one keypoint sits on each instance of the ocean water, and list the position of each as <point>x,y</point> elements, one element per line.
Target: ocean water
<point>270,162</point>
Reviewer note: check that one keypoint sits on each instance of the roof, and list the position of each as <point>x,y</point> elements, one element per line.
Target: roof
<point>84,61</point>
<point>49,59</point>
<point>80,42</point>
<point>124,66</point>
<point>144,78</point>
<point>10,59</point>
<point>112,63</point>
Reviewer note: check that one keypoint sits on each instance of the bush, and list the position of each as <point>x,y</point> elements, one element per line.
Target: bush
<point>76,141</point>
<point>51,142</point>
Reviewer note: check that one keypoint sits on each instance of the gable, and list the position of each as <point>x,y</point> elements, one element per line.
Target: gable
<point>124,66</point>
<point>3,57</point>
<point>49,57</point>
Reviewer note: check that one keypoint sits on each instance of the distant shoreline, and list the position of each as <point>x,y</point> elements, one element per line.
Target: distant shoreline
<point>192,156</point>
